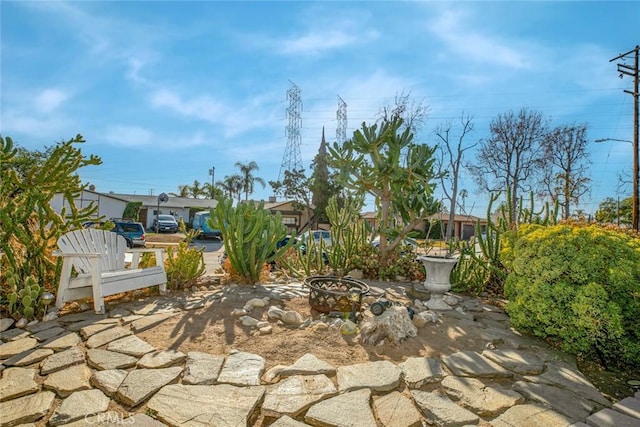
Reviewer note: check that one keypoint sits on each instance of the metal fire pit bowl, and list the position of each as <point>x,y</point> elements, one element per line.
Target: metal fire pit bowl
<point>341,294</point>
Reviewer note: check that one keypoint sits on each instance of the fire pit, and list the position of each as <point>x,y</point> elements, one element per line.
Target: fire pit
<point>328,293</point>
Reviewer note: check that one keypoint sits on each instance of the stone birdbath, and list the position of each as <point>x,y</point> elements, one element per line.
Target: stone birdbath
<point>438,281</point>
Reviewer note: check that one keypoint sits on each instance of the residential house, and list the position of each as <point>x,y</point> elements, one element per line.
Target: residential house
<point>464,225</point>
<point>112,205</point>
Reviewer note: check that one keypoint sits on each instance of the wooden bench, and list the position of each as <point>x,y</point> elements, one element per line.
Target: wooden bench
<point>95,266</point>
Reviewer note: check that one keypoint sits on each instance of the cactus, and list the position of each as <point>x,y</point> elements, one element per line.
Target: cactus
<point>24,298</point>
<point>485,253</point>
<point>348,233</point>
<point>250,234</point>
<point>30,226</point>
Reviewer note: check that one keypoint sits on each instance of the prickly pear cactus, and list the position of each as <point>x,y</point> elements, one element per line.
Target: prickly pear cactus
<point>24,299</point>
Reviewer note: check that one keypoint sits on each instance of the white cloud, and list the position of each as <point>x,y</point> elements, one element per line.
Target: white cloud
<point>452,28</point>
<point>128,136</point>
<point>318,41</point>
<point>202,107</point>
<point>49,99</point>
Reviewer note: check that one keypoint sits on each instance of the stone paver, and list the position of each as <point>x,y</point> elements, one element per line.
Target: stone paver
<point>47,334</point>
<point>610,418</point>
<point>62,360</point>
<point>308,365</point>
<point>242,368</point>
<point>63,342</point>
<point>148,322</point>
<point>66,381</point>
<point>12,348</point>
<point>295,394</point>
<point>479,398</point>
<point>396,410</point>
<point>94,328</point>
<point>522,362</point>
<point>221,405</point>
<point>378,376</point>
<point>441,411</point>
<point>26,409</point>
<point>562,400</point>
<point>108,380</point>
<point>80,356</point>
<point>17,382</point>
<point>161,359</point>
<point>202,368</point>
<point>105,359</point>
<point>629,406</point>
<point>473,364</point>
<point>348,409</point>
<point>531,415</point>
<point>78,405</point>
<point>131,345</point>
<point>105,337</point>
<point>29,357</point>
<point>419,371</point>
<point>141,384</point>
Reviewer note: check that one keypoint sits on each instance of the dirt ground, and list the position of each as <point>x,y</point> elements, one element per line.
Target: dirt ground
<point>214,330</point>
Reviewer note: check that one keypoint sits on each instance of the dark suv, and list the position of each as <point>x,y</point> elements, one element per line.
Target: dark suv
<point>165,223</point>
<point>133,232</point>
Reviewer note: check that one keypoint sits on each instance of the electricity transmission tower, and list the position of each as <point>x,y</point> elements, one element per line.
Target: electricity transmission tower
<point>341,116</point>
<point>292,159</point>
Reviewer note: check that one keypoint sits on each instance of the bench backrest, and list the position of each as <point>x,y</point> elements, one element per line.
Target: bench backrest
<point>108,244</point>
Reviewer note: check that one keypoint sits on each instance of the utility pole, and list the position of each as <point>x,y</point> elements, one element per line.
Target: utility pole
<point>212,172</point>
<point>626,70</point>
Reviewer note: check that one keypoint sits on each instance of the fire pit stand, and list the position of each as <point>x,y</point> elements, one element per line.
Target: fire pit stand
<point>330,294</point>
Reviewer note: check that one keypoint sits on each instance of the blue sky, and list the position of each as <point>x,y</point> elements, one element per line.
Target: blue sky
<point>162,91</point>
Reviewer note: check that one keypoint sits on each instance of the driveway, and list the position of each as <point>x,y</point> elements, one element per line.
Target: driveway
<point>213,249</point>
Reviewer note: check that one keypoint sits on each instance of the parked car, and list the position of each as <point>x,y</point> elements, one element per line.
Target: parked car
<point>165,223</point>
<point>316,235</point>
<point>407,244</point>
<point>200,223</point>
<point>133,232</point>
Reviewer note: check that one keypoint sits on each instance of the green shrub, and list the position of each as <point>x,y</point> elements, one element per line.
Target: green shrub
<point>578,286</point>
<point>185,264</point>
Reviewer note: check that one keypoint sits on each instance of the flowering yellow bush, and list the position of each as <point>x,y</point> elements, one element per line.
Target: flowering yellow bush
<point>578,285</point>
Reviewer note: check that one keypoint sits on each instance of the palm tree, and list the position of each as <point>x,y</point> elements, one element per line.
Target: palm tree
<point>231,186</point>
<point>211,192</point>
<point>196,190</point>
<point>248,180</point>
<point>183,191</point>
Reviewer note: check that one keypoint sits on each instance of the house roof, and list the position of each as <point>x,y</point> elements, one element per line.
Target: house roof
<point>173,202</point>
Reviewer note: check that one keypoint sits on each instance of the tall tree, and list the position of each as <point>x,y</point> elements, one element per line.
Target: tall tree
<point>231,186</point>
<point>510,158</point>
<point>382,160</point>
<point>565,166</point>
<point>618,211</point>
<point>183,191</point>
<point>450,161</point>
<point>196,190</point>
<point>211,191</point>
<point>323,185</point>
<point>248,179</point>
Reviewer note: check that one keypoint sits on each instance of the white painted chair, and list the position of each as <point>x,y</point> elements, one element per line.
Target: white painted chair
<point>100,268</point>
